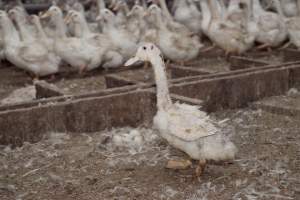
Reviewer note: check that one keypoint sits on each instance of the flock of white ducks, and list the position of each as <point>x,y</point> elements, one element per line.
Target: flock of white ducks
<point>38,44</point>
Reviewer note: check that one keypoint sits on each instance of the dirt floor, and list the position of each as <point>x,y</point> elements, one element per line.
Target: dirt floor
<point>130,164</point>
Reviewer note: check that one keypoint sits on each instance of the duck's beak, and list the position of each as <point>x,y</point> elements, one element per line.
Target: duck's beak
<point>132,61</point>
<point>99,18</point>
<point>129,14</point>
<point>67,19</point>
<point>45,15</point>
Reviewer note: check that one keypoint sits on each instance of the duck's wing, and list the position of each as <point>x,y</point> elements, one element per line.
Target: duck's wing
<point>33,53</point>
<point>189,123</point>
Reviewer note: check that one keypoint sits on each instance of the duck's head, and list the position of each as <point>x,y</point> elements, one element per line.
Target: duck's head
<point>137,10</point>
<point>53,11</point>
<point>12,13</point>
<point>145,53</point>
<point>78,7</point>
<point>106,15</point>
<point>34,19</point>
<point>74,16</point>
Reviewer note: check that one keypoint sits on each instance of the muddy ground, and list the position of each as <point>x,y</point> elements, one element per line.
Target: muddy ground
<point>130,164</point>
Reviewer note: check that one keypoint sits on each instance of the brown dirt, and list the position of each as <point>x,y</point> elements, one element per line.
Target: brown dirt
<point>81,85</point>
<point>88,167</point>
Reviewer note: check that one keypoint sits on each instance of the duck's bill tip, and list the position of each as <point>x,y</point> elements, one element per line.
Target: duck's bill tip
<point>45,15</point>
<point>131,61</point>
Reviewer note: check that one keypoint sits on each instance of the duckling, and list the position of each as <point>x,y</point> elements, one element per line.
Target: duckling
<point>184,126</point>
<point>77,52</point>
<point>176,46</point>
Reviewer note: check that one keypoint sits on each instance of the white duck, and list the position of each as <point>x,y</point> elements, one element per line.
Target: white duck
<point>42,37</point>
<point>271,29</point>
<point>77,52</point>
<point>292,24</point>
<point>228,36</point>
<point>121,8</point>
<point>111,58</point>
<point>235,14</point>
<point>187,13</point>
<point>289,8</point>
<point>177,46</point>
<point>169,20</point>
<point>120,37</point>
<point>29,55</point>
<point>185,127</point>
<point>136,23</point>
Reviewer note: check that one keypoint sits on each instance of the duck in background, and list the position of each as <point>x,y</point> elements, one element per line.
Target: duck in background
<point>111,58</point>
<point>26,53</point>
<point>187,13</point>
<point>271,29</point>
<point>77,52</point>
<point>175,45</point>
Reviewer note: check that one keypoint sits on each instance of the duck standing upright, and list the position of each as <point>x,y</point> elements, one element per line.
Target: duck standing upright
<point>77,52</point>
<point>185,127</point>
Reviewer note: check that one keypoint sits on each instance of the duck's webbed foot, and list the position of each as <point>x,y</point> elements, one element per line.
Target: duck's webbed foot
<point>206,49</point>
<point>146,65</point>
<point>285,46</point>
<point>82,69</point>
<point>200,168</point>
<point>264,47</point>
<point>178,164</point>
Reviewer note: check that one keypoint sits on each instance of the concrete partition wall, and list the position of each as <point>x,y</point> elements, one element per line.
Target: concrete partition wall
<point>236,90</point>
<point>136,104</point>
<point>81,115</point>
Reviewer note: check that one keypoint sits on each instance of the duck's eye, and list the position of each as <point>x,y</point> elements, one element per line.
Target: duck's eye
<point>144,48</point>
<point>152,47</point>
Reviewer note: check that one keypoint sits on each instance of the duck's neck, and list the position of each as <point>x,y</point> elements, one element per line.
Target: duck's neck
<point>257,6</point>
<point>206,14</point>
<point>182,3</point>
<point>60,28</point>
<point>233,5</point>
<point>101,6</point>
<point>161,23</point>
<point>85,29</point>
<point>10,34</point>
<point>162,90</point>
<point>40,30</point>
<point>125,9</point>
<point>165,9</point>
<point>213,7</point>
<point>24,31</point>
<point>279,8</point>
